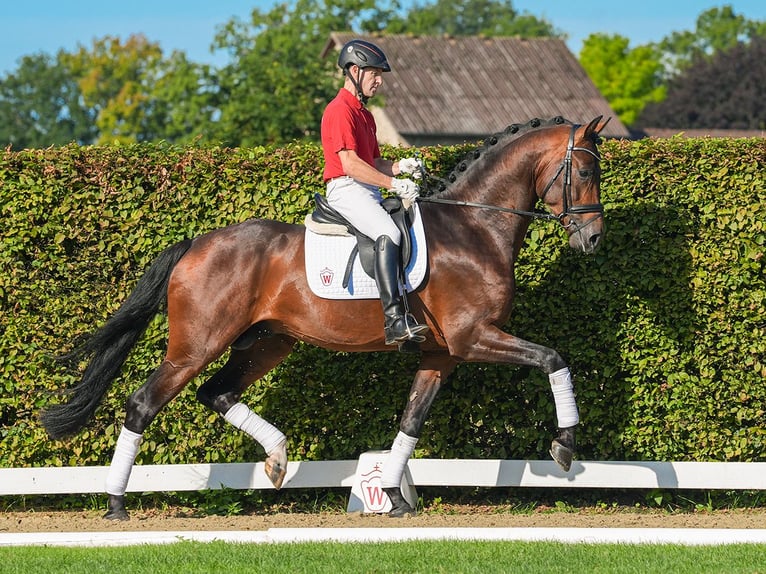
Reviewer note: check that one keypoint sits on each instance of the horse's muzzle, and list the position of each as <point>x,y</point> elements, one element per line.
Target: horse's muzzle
<point>586,237</point>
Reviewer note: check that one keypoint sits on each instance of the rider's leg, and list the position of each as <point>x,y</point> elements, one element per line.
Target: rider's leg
<point>360,205</point>
<point>399,326</point>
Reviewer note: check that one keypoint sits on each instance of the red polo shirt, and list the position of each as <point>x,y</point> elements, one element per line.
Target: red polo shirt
<point>347,124</point>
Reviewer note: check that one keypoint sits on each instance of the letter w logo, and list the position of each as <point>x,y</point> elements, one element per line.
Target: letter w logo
<point>375,496</point>
<point>375,499</point>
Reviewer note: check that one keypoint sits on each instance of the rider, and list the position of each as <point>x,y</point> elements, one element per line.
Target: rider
<point>354,173</point>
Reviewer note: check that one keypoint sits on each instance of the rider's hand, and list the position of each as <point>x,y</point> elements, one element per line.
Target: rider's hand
<point>411,165</point>
<point>405,188</point>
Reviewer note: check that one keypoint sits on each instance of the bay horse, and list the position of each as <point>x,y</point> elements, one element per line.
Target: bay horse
<point>248,279</point>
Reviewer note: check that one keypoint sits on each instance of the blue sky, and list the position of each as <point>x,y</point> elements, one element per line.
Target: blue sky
<point>189,25</point>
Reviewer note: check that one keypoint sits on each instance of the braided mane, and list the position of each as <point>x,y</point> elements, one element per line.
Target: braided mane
<point>490,147</point>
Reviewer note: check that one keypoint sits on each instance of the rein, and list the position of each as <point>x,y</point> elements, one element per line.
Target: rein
<point>533,214</point>
<point>565,168</point>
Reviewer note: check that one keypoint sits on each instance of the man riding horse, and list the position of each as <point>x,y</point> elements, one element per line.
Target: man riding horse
<point>354,173</point>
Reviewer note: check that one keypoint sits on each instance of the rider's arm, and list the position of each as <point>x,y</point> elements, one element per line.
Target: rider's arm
<point>358,169</point>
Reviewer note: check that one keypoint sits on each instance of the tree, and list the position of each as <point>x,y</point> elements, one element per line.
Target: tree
<point>469,18</point>
<point>117,80</point>
<point>277,86</point>
<point>725,92</point>
<point>631,79</point>
<point>137,94</point>
<point>185,101</point>
<point>41,105</point>
<point>628,78</point>
<point>717,29</point>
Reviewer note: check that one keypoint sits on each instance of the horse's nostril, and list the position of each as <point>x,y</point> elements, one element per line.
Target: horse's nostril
<point>595,239</point>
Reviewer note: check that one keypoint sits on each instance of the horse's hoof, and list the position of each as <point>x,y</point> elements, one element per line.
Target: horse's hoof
<point>276,465</point>
<point>402,511</point>
<point>563,455</point>
<point>563,448</point>
<point>399,506</point>
<point>116,509</point>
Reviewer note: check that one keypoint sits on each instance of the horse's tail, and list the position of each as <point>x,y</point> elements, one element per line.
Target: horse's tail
<point>110,345</point>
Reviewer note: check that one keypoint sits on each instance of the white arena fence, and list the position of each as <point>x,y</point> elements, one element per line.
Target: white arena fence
<point>420,472</point>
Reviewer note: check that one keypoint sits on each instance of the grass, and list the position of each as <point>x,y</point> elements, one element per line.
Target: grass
<point>410,557</point>
<point>431,557</point>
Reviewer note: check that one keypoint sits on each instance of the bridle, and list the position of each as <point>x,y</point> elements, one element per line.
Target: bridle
<point>566,169</point>
<point>568,208</point>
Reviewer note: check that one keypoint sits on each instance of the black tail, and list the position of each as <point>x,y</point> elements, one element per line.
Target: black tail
<point>111,344</point>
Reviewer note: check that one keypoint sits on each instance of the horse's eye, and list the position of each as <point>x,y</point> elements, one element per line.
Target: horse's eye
<point>585,173</point>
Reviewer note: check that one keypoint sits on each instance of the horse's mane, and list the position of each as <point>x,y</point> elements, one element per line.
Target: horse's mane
<point>491,147</point>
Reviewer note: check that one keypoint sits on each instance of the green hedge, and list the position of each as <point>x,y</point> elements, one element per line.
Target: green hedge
<point>663,327</point>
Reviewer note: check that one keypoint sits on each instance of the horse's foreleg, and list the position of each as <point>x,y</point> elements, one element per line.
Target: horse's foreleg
<point>563,446</point>
<point>495,346</point>
<point>428,380</point>
<point>222,393</point>
<point>142,406</point>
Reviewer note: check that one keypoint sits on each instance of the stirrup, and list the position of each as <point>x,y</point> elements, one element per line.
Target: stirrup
<point>412,331</point>
<point>415,329</point>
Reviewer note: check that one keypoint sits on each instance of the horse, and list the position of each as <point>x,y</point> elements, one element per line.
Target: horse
<point>261,305</point>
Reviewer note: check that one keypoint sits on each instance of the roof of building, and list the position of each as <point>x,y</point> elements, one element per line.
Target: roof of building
<point>473,86</point>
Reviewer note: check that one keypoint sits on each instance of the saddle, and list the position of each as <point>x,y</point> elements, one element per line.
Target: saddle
<point>323,214</point>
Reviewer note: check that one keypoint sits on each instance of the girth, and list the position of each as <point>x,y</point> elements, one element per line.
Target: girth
<point>365,246</point>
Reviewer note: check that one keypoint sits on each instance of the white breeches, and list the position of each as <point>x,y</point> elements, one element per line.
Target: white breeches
<point>360,205</point>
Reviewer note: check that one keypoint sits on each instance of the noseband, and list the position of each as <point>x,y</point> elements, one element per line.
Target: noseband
<point>565,168</point>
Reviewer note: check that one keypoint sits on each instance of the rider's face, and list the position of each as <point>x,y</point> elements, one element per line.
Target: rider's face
<point>371,79</point>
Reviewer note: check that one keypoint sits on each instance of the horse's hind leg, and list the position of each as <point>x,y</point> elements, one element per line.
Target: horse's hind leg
<point>142,406</point>
<point>433,370</point>
<point>223,391</point>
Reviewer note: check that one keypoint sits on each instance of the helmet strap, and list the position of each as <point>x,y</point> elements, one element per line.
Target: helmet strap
<point>358,84</point>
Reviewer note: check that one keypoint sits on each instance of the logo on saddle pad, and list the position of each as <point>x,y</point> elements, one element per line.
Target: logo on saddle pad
<point>327,258</point>
<point>326,275</point>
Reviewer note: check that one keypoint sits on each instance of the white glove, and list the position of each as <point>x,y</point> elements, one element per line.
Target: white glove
<point>411,165</point>
<point>405,188</point>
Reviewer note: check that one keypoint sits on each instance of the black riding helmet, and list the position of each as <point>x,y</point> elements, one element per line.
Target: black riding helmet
<point>363,54</point>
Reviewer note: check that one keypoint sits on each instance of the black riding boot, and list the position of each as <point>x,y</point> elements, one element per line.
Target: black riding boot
<point>399,326</point>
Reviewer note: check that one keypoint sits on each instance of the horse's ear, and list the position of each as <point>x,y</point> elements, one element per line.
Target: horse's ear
<point>596,125</point>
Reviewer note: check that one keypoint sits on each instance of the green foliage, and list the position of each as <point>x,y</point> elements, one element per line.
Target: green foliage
<point>663,327</point>
<point>277,86</point>
<point>273,90</point>
<point>487,18</point>
<point>717,30</point>
<point>136,94</point>
<point>633,80</point>
<point>628,78</point>
<point>40,105</point>
<point>724,91</point>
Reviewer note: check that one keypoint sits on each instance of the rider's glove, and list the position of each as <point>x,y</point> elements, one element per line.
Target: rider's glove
<point>411,165</point>
<point>405,188</point>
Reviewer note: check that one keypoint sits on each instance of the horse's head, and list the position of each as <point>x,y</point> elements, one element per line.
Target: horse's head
<point>570,185</point>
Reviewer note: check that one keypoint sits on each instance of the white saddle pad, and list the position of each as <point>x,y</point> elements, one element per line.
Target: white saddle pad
<point>327,258</point>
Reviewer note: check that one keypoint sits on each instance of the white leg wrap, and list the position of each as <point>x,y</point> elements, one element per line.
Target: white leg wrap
<point>269,436</point>
<point>125,453</point>
<point>563,395</point>
<point>393,468</point>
